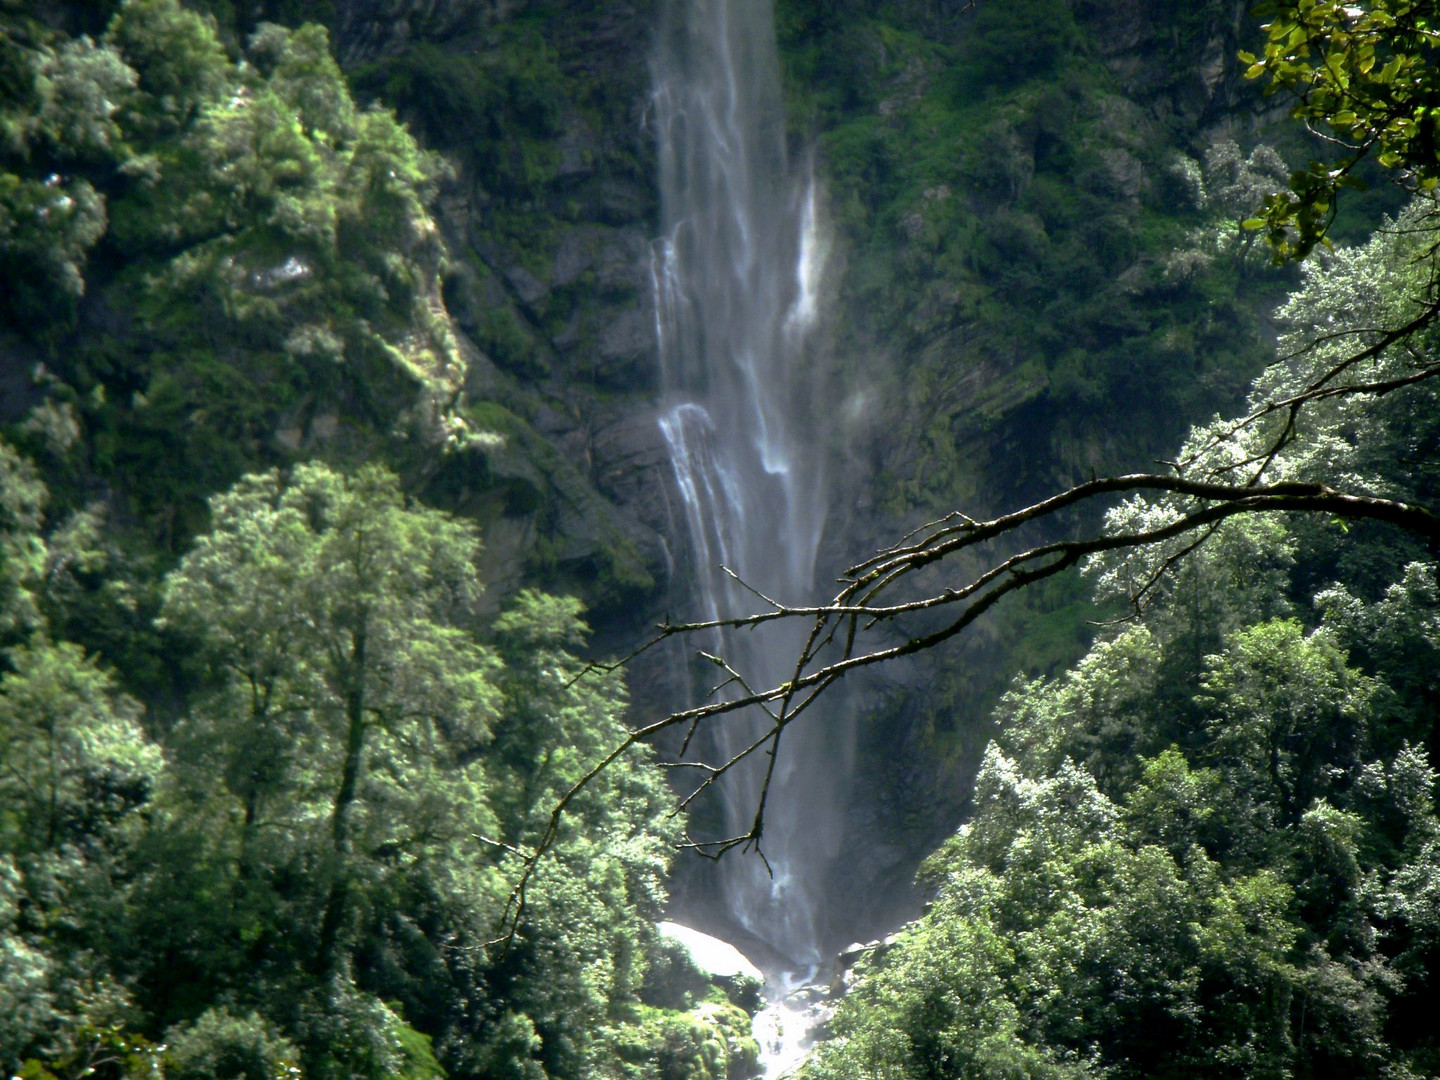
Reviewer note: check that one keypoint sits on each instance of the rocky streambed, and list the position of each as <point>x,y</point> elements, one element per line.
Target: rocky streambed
<point>789,1012</point>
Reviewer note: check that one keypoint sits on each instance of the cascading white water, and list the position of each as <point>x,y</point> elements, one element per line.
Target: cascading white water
<point>737,276</point>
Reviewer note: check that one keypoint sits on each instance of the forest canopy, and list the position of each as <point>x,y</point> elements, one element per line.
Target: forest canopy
<point>1211,847</point>
<point>302,871</point>
<point>267,758</point>
<point>273,756</point>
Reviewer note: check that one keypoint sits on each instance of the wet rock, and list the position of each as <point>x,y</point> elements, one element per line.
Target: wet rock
<point>579,148</point>
<point>632,465</point>
<point>625,353</point>
<point>469,296</point>
<point>718,959</point>
<point>621,202</point>
<point>575,254</point>
<point>726,966</point>
<point>527,287</point>
<point>368,29</point>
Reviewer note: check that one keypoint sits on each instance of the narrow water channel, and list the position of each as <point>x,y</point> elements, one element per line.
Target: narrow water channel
<point>739,275</point>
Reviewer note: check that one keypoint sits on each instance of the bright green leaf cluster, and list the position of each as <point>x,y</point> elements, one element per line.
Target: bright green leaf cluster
<point>1366,75</point>
<point>297,873</point>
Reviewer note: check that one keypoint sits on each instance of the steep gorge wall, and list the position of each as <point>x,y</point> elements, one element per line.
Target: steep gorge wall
<point>1008,186</point>
<point>1037,208</point>
<point>548,215</point>
<point>968,157</point>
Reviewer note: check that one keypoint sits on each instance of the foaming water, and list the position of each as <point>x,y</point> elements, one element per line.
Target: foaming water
<point>738,275</point>
<point>785,1027</point>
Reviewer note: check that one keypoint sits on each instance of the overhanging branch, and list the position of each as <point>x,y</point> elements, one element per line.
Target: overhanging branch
<point>856,608</point>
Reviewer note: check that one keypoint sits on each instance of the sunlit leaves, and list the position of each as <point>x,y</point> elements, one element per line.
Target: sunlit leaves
<point>1288,712</point>
<point>80,87</point>
<point>22,552</point>
<point>180,61</point>
<point>74,756</point>
<point>319,593</point>
<point>1064,943</point>
<point>59,115</point>
<point>1365,75</point>
<point>26,1004</point>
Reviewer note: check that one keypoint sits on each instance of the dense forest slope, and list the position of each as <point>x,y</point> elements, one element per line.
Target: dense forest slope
<point>1211,847</point>
<point>327,384</point>
<point>270,753</point>
<point>1034,214</point>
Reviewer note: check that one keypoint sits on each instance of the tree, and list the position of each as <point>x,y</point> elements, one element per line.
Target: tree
<point>73,751</point>
<point>22,551</point>
<point>258,229</point>
<point>1250,901</point>
<point>1354,380</point>
<point>59,112</point>
<point>350,705</point>
<point>1368,73</point>
<point>351,785</point>
<point>1288,711</point>
<point>1063,942</point>
<point>327,766</point>
<point>1247,903</point>
<point>77,773</point>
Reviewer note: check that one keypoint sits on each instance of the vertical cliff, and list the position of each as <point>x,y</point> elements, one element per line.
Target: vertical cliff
<point>1037,273</point>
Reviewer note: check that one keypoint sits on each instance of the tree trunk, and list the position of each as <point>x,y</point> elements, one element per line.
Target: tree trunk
<point>328,954</point>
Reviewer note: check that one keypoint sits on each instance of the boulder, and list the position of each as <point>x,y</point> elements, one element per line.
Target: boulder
<point>726,966</point>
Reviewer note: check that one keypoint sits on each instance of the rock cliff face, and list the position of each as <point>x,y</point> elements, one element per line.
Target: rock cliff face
<point>540,106</point>
<point>1005,186</point>
<point>548,213</point>
<point>1009,187</point>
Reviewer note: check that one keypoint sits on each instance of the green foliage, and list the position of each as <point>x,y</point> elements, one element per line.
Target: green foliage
<point>26,1004</point>
<point>309,876</point>
<point>303,884</point>
<point>106,1048</point>
<point>219,1046</point>
<point>1061,945</point>
<point>180,63</point>
<point>1365,71</point>
<point>58,123</point>
<point>1205,849</point>
<point>22,551</point>
<point>269,257</point>
<point>711,1041</point>
<point>1007,44</point>
<point>355,1034</point>
<point>75,759</point>
<point>348,703</point>
<point>1011,228</point>
<point>1287,713</point>
<point>505,109</point>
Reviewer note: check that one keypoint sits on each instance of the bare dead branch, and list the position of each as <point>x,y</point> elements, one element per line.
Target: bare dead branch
<point>837,630</point>
<point>1211,504</point>
<point>1322,387</point>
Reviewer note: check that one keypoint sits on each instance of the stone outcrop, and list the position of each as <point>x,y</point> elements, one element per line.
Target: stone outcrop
<point>547,217</point>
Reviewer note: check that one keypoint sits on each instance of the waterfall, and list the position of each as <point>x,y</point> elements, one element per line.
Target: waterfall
<point>737,276</point>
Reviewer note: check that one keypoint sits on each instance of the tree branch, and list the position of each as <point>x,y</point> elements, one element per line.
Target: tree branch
<point>855,606</point>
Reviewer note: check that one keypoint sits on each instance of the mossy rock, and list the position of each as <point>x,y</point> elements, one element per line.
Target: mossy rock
<point>712,1041</point>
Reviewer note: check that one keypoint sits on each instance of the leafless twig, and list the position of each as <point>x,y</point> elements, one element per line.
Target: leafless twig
<point>837,642</point>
